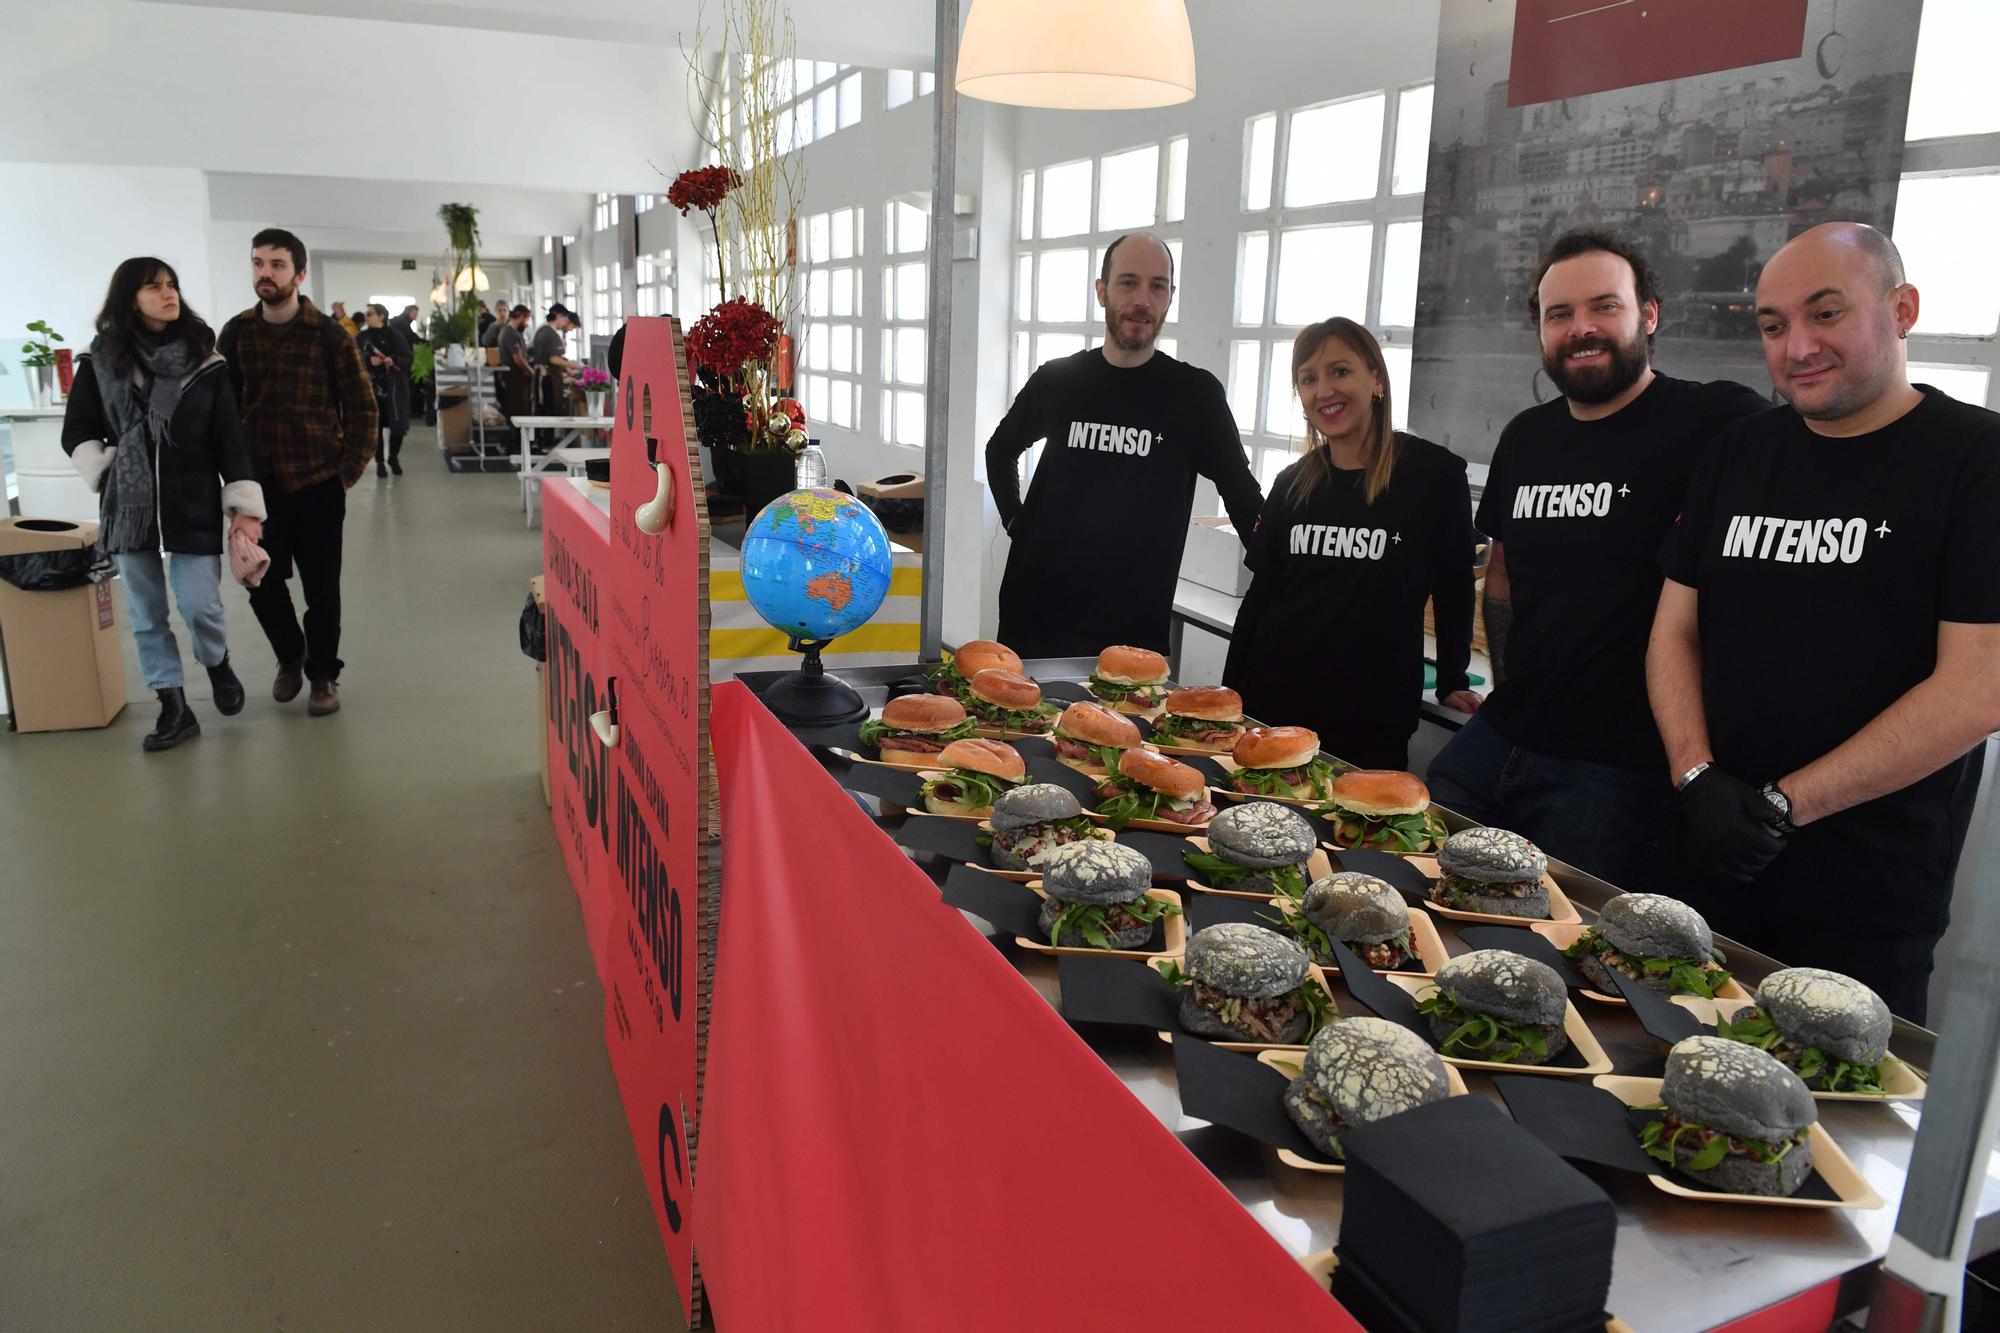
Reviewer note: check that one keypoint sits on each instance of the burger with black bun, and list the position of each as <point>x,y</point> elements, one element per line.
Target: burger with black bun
<point>1825,1026</point>
<point>1240,982</point>
<point>1030,821</point>
<point>973,656</point>
<point>1733,1118</point>
<point>1358,1071</point>
<point>1651,938</point>
<point>1148,785</point>
<point>1498,1005</point>
<point>1256,847</point>
<point>977,773</point>
<point>1096,896</point>
<point>1281,761</point>
<point>1089,738</point>
<point>1493,871</point>
<point>1383,810</point>
<point>914,729</point>
<point>1008,701</point>
<point>1201,717</point>
<point>1131,680</point>
<point>1360,911</point>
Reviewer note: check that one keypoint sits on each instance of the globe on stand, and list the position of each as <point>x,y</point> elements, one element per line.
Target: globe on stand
<point>816,565</point>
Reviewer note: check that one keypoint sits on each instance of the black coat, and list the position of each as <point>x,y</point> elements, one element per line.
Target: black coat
<point>392,382</point>
<point>208,453</point>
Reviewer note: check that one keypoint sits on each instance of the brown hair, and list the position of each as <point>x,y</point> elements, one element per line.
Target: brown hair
<point>1317,466</point>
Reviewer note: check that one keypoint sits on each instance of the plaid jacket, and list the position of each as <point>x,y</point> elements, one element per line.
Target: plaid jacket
<point>308,408</point>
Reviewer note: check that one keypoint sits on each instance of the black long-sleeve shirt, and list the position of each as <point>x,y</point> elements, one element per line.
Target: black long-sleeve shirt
<point>1097,543</point>
<point>1331,633</point>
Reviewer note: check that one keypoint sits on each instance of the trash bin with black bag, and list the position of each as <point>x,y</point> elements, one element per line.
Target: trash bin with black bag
<point>64,659</point>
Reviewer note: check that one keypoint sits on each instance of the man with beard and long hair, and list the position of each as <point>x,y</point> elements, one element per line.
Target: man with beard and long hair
<point>309,413</point>
<point>1097,542</point>
<point>1581,492</point>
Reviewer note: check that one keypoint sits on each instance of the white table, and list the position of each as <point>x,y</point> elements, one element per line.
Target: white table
<point>571,427</point>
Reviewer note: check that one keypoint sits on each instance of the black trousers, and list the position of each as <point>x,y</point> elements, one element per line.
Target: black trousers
<point>304,531</point>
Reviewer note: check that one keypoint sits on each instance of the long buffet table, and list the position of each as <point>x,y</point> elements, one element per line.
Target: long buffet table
<point>1679,1265</point>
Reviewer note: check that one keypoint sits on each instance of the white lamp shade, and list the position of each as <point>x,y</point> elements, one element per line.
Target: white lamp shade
<point>1080,55</point>
<point>469,278</point>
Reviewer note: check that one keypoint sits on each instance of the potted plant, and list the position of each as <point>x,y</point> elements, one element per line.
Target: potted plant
<point>595,385</point>
<point>460,292</point>
<point>733,345</point>
<point>38,358</point>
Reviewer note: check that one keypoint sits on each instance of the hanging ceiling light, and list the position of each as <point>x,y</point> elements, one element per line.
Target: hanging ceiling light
<point>469,278</point>
<point>1080,55</point>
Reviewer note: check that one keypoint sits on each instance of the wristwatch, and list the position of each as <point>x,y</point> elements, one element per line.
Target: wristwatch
<point>1681,783</point>
<point>1781,809</point>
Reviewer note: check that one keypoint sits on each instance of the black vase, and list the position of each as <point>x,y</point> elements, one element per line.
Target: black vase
<point>764,476</point>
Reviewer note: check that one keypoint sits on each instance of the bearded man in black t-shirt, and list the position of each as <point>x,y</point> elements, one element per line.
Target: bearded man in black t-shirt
<point>1097,543</point>
<point>1822,660</point>
<point>1580,493</point>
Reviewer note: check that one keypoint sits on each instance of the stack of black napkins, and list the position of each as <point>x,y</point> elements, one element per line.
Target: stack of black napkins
<point>1455,1218</point>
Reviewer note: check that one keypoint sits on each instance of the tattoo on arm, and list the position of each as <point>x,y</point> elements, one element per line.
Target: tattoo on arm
<point>1499,614</point>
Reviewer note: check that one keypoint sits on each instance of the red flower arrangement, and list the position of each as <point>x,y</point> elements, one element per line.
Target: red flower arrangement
<point>732,335</point>
<point>702,188</point>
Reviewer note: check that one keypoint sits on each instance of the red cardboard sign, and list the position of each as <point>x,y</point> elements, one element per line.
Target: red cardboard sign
<point>575,543</point>
<point>1566,48</point>
<point>655,626</point>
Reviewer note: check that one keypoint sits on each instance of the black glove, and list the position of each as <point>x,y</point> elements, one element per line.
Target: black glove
<point>1728,833</point>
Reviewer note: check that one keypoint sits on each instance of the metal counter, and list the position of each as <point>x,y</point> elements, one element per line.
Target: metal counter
<point>1679,1266</point>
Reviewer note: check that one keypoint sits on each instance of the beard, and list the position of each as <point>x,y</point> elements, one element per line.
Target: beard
<point>270,293</point>
<point>1114,330</point>
<point>1597,384</point>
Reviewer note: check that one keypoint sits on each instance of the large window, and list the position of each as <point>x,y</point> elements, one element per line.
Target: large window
<point>907,85</point>
<point>1331,200</point>
<point>817,98</point>
<point>900,365</point>
<point>655,281</point>
<point>606,212</point>
<point>830,380</point>
<point>607,299</point>
<point>1951,167</point>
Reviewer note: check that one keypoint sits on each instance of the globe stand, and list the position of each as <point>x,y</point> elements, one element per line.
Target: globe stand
<point>810,697</point>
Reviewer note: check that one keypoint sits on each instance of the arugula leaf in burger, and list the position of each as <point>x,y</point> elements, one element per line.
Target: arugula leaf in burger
<point>1498,1005</point>
<point>1200,717</point>
<point>953,675</point>
<point>1089,738</point>
<point>977,773</point>
<point>914,729</point>
<point>1148,785</point>
<point>1383,810</point>
<point>1256,847</point>
<point>1825,1026</point>
<point>1733,1118</point>
<point>1281,761</point>
<point>1009,701</point>
<point>1653,939</point>
<point>1097,896</point>
<point>1131,680</point>
<point>1240,982</point>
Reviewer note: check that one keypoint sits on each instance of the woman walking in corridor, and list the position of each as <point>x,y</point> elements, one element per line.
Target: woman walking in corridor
<point>151,426</point>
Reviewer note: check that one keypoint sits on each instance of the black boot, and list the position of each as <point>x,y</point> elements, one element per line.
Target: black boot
<point>228,689</point>
<point>177,722</point>
<point>396,454</point>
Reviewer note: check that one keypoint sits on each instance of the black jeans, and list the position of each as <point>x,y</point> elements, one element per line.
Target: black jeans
<point>304,528</point>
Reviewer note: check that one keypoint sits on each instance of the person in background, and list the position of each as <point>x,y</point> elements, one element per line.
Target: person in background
<point>1822,662</point>
<point>490,324</point>
<point>517,375</point>
<point>420,390</point>
<point>151,426</point>
<point>387,354</point>
<point>342,318</point>
<point>309,412</point>
<point>1354,539</point>
<point>551,365</point>
<point>1579,496</point>
<point>1097,543</point>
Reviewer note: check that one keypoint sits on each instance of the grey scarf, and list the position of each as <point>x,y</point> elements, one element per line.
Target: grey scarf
<point>140,405</point>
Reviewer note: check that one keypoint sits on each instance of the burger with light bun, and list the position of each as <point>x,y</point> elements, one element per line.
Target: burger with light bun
<point>1008,701</point>
<point>1281,761</point>
<point>1089,738</point>
<point>972,657</point>
<point>976,772</point>
<point>1201,717</point>
<point>1131,680</point>
<point>1148,785</point>
<point>1383,810</point>
<point>914,729</point>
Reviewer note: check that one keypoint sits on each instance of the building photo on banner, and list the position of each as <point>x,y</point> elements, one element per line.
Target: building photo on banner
<point>1300,665</point>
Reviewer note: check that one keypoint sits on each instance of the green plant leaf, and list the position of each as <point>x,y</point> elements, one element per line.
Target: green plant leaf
<point>1710,1155</point>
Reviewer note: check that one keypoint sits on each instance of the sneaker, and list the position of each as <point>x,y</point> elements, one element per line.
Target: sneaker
<point>291,677</point>
<point>325,698</point>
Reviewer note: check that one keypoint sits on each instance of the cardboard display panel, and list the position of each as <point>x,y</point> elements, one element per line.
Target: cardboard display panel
<point>64,654</point>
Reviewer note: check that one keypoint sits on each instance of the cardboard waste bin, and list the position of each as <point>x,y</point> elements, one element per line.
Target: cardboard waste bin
<point>65,659</point>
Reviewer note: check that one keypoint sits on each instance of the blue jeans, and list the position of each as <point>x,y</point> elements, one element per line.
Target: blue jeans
<point>1609,821</point>
<point>197,582</point>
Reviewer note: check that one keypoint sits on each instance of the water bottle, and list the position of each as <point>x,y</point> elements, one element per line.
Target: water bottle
<point>811,470</point>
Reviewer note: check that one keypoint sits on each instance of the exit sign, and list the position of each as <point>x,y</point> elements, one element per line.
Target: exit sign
<point>410,265</point>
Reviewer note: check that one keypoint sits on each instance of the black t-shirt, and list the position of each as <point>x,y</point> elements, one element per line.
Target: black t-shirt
<point>1331,635</point>
<point>1581,508</point>
<point>1823,567</point>
<point>1097,544</point>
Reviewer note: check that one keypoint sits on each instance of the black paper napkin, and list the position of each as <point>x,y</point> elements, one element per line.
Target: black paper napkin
<point>1046,767</point>
<point>1390,1001</point>
<point>1395,871</point>
<point>840,735</point>
<point>953,839</point>
<point>1115,990</point>
<point>1215,909</point>
<point>1067,691</point>
<point>1521,940</point>
<point>1238,1092</point>
<point>897,786</point>
<point>1657,1014</point>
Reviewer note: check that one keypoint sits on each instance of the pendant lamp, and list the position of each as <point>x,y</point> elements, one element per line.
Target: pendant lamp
<point>1079,55</point>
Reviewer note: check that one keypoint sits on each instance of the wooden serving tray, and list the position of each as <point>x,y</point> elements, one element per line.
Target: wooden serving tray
<point>1174,930</point>
<point>1318,867</point>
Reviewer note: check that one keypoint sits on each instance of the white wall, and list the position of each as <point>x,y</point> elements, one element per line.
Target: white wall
<point>65,228</point>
